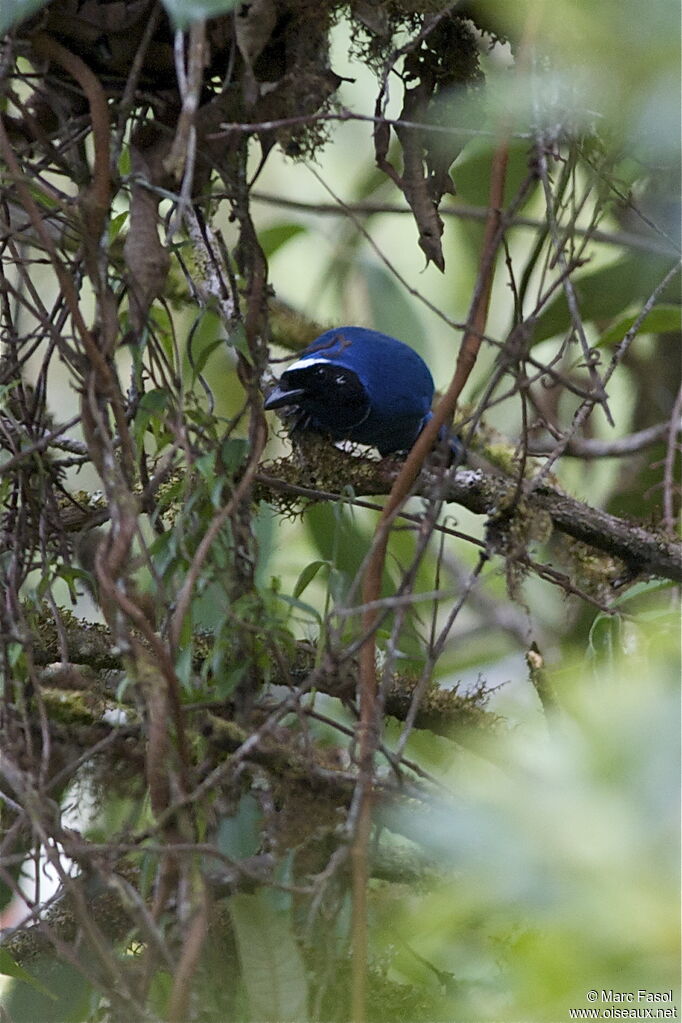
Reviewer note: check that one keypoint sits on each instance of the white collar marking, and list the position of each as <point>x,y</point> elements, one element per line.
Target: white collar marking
<point>309,360</point>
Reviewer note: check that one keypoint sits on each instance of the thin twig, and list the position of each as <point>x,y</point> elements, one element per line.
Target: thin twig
<point>462,211</point>
<point>619,353</point>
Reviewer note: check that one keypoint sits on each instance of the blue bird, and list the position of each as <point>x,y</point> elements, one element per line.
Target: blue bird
<point>360,385</point>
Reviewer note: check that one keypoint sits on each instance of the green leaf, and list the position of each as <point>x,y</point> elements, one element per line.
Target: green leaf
<point>184,662</point>
<point>205,355</point>
<point>155,401</point>
<point>124,162</point>
<point>651,586</point>
<point>11,969</point>
<point>15,652</point>
<point>205,464</point>
<point>471,170</point>
<point>116,223</point>
<point>152,405</point>
<point>272,967</point>
<point>605,293</point>
<point>391,310</point>
<point>342,541</point>
<point>605,640</point>
<point>233,454</point>
<point>239,835</point>
<point>12,12</point>
<point>183,12</point>
<point>72,575</point>
<point>273,238</point>
<point>160,990</point>
<point>662,319</point>
<point>226,680</point>
<point>206,336</point>
<point>237,339</point>
<point>163,551</point>
<point>300,605</point>
<point>307,576</point>
<point>337,538</point>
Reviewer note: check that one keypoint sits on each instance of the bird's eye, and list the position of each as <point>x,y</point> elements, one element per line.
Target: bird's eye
<point>340,380</point>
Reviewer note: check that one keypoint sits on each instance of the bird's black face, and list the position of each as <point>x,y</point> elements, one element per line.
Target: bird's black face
<point>330,397</point>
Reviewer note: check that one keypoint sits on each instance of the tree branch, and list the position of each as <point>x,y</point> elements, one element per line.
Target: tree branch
<point>592,447</point>
<point>645,551</point>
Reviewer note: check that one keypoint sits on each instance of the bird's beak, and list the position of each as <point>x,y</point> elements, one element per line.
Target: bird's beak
<point>279,397</point>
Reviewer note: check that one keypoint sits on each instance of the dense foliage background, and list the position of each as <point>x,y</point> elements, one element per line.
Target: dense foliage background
<point>189,738</point>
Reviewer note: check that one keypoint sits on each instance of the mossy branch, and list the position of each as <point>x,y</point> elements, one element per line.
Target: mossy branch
<point>94,667</point>
<point>644,551</point>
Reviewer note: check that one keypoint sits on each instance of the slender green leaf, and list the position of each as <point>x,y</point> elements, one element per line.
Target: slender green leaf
<point>273,238</point>
<point>651,586</point>
<point>391,310</point>
<point>237,339</point>
<point>205,355</point>
<point>307,576</point>
<point>226,679</point>
<point>72,575</point>
<point>471,170</point>
<point>152,406</point>
<point>272,967</point>
<point>233,454</point>
<point>301,605</point>
<point>116,224</point>
<point>661,319</point>
<point>337,538</point>
<point>15,652</point>
<point>239,836</point>
<point>605,293</point>
<point>11,969</point>
<point>160,990</point>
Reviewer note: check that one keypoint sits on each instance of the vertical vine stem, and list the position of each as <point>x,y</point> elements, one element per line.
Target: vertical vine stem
<point>368,727</point>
